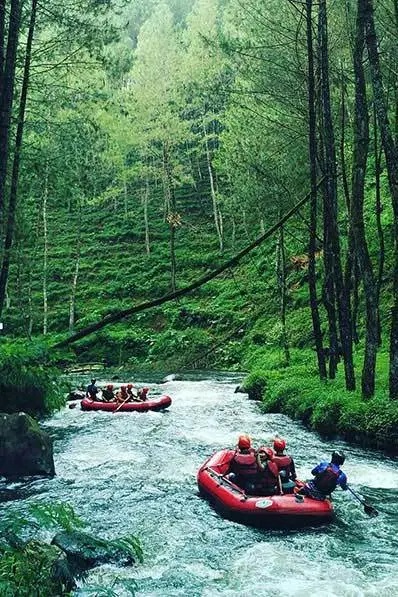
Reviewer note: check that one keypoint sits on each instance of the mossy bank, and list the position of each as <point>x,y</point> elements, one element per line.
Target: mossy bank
<point>325,406</point>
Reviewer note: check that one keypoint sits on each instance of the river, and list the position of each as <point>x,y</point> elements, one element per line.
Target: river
<point>136,473</point>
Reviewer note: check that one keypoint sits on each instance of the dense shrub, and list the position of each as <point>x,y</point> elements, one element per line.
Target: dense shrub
<point>326,406</point>
<point>28,380</point>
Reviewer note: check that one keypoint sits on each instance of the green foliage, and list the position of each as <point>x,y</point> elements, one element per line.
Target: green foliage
<point>28,380</point>
<point>29,571</point>
<point>28,567</point>
<point>326,407</point>
<point>42,515</point>
<point>131,545</point>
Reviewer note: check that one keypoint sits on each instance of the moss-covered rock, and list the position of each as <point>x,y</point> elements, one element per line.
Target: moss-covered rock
<point>85,551</point>
<point>25,449</point>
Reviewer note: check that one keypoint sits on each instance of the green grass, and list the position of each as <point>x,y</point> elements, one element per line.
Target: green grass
<point>325,406</point>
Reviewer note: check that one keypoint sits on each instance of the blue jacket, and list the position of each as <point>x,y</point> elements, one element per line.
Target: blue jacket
<point>322,466</point>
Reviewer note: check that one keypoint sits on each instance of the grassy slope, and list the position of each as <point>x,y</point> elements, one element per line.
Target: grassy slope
<point>231,322</point>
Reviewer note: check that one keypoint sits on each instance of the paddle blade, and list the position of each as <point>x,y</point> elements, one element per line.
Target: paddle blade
<point>370,511</point>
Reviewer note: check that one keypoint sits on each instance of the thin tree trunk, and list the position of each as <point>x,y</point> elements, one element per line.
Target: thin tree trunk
<point>125,193</point>
<point>233,234</point>
<point>360,157</point>
<point>316,323</point>
<point>2,42</point>
<point>329,295</point>
<point>244,223</point>
<point>396,82</point>
<point>72,298</point>
<point>30,306</point>
<point>281,278</point>
<point>22,295</point>
<point>351,269</point>
<point>379,209</point>
<point>146,221</point>
<point>212,189</point>
<point>391,155</point>
<point>12,206</point>
<point>6,99</point>
<point>172,215</point>
<point>45,250</point>
<point>331,189</point>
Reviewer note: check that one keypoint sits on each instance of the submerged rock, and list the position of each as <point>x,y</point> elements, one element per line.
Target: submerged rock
<point>76,395</point>
<point>240,390</point>
<point>25,449</point>
<point>85,551</point>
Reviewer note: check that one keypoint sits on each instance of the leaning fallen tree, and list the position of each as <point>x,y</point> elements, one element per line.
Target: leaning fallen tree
<point>122,314</point>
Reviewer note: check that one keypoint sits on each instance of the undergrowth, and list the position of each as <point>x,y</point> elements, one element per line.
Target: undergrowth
<point>29,381</point>
<point>325,406</point>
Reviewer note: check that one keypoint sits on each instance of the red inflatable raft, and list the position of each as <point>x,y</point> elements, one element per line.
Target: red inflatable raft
<point>275,510</point>
<point>155,404</point>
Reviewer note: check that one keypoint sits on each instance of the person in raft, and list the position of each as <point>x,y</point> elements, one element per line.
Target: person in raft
<point>132,391</point>
<point>328,476</point>
<point>143,394</point>
<point>107,393</point>
<point>92,390</point>
<point>268,481</point>
<point>243,466</point>
<point>285,464</point>
<point>122,395</point>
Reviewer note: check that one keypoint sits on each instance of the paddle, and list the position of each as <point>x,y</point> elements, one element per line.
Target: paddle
<point>121,404</point>
<point>369,510</point>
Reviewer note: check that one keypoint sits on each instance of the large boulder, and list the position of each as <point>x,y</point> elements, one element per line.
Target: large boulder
<point>25,449</point>
<point>85,551</point>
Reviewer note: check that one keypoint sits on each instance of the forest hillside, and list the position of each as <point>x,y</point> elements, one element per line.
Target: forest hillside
<point>151,141</point>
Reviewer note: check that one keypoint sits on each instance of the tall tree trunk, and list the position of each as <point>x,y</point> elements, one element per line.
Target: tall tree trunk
<point>331,189</point>
<point>281,278</point>
<point>233,232</point>
<point>360,157</point>
<point>12,206</point>
<point>6,98</point>
<point>72,298</point>
<point>329,295</point>
<point>125,193</point>
<point>172,216</point>
<point>391,155</point>
<point>2,42</point>
<point>351,269</point>
<point>45,250</point>
<point>379,209</point>
<point>316,323</point>
<point>216,211</point>
<point>146,221</point>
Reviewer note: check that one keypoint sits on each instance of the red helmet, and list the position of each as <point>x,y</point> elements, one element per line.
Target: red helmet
<point>268,451</point>
<point>129,385</point>
<point>109,386</point>
<point>279,444</point>
<point>244,442</point>
<point>145,390</point>
<point>123,388</point>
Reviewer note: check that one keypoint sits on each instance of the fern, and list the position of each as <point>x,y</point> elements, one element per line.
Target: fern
<point>130,544</point>
<point>47,515</point>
